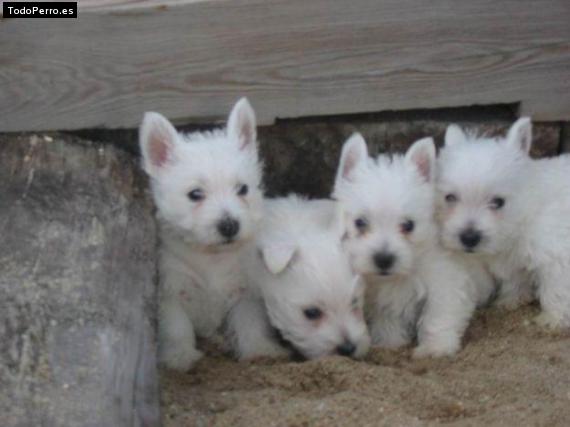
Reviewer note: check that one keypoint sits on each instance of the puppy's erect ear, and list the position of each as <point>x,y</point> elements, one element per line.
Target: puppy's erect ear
<point>354,153</point>
<point>277,256</point>
<point>454,135</point>
<point>421,155</point>
<point>157,139</point>
<point>241,125</point>
<point>520,135</point>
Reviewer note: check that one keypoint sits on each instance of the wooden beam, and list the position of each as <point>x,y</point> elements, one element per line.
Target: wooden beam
<point>192,60</point>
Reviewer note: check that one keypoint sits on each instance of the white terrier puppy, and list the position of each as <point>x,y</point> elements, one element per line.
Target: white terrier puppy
<point>304,297</point>
<point>414,287</point>
<point>206,186</point>
<point>511,211</point>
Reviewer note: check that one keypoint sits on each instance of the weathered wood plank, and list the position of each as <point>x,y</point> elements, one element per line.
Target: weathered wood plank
<point>293,58</point>
<point>106,5</point>
<point>77,288</point>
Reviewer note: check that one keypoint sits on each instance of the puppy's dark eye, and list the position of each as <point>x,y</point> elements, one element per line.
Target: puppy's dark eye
<point>451,198</point>
<point>313,313</point>
<point>243,190</point>
<point>407,226</point>
<point>355,302</point>
<point>361,223</point>
<point>497,203</point>
<point>196,195</point>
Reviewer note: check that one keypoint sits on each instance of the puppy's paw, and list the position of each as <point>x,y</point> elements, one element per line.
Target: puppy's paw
<point>263,350</point>
<point>512,302</point>
<point>509,303</point>
<point>549,321</point>
<point>390,344</point>
<point>436,351</point>
<point>388,338</point>
<point>180,358</point>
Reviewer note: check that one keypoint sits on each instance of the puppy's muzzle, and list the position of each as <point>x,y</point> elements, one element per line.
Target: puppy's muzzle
<point>228,228</point>
<point>470,238</point>
<point>347,348</point>
<point>384,261</point>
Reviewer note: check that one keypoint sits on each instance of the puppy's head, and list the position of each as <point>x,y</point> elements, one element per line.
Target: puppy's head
<point>312,296</point>
<point>205,184</point>
<point>388,206</point>
<point>479,188</point>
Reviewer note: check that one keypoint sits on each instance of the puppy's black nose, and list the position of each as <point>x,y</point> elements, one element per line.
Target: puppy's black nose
<point>470,238</point>
<point>228,227</point>
<point>347,348</point>
<point>384,260</point>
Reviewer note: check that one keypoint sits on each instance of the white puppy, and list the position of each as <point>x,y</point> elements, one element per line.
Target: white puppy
<point>304,296</point>
<point>511,211</point>
<point>414,287</point>
<point>206,186</point>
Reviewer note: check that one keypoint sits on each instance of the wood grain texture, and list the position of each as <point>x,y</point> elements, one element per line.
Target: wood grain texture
<point>77,287</point>
<point>108,5</point>
<point>292,58</point>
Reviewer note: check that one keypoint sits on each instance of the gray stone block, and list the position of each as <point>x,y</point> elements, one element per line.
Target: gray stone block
<point>77,286</point>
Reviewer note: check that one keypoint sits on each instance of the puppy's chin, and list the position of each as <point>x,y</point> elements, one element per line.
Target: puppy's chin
<point>307,355</point>
<point>225,245</point>
<point>479,251</point>
<point>386,276</point>
<point>216,246</point>
<point>332,352</point>
<point>300,353</point>
<point>361,351</point>
<point>456,247</point>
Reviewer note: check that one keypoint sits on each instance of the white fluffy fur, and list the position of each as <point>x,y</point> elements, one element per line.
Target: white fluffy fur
<point>526,242</point>
<point>298,263</point>
<point>426,292</point>
<point>199,268</point>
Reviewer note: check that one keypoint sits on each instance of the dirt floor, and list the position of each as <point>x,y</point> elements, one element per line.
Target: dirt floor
<point>510,373</point>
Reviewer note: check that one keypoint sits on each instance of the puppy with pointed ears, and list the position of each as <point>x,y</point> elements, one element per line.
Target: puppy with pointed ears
<point>206,186</point>
<point>512,212</point>
<point>304,297</point>
<point>415,289</point>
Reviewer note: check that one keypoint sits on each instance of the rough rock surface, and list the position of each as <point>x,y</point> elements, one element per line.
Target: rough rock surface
<point>77,286</point>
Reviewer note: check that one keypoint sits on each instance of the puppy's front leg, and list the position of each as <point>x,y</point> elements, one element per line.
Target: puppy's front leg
<point>554,294</point>
<point>515,291</point>
<point>177,341</point>
<point>249,331</point>
<point>447,312</point>
<point>387,330</point>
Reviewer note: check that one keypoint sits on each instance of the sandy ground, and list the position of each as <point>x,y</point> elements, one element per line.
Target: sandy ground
<point>510,373</point>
